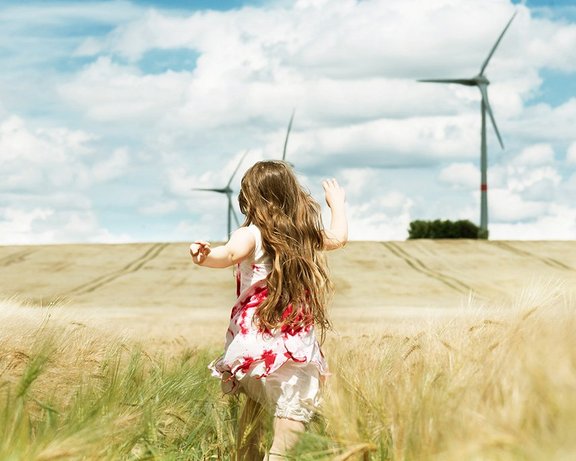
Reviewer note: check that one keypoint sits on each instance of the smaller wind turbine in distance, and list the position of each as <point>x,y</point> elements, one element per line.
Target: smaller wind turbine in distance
<point>482,83</point>
<point>227,190</point>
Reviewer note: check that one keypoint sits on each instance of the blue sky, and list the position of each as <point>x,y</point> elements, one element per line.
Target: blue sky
<point>112,111</point>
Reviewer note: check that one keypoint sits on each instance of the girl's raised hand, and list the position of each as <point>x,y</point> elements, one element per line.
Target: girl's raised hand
<point>335,195</point>
<point>199,251</point>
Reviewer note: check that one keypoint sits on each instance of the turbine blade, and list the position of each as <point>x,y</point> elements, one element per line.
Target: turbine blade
<point>459,81</point>
<point>484,92</point>
<point>288,134</point>
<point>222,191</point>
<point>236,170</point>
<point>487,60</point>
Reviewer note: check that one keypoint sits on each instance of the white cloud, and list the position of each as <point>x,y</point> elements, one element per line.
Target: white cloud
<point>507,206</point>
<point>371,221</point>
<point>48,225</point>
<point>542,123</point>
<point>525,190</point>
<point>111,92</point>
<point>535,155</point>
<point>376,211</point>
<point>52,159</point>
<point>385,143</point>
<point>365,186</point>
<point>48,173</point>
<point>111,167</point>
<point>464,175</point>
<point>558,224</point>
<point>351,42</point>
<point>552,46</point>
<point>329,62</point>
<point>17,141</point>
<point>522,179</point>
<point>16,226</point>
<point>258,63</point>
<point>39,37</point>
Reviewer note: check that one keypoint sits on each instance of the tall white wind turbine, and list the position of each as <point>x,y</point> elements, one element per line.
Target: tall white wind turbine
<point>482,83</point>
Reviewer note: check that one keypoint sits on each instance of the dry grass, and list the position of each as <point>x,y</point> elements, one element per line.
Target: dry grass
<point>491,382</point>
<point>71,391</point>
<point>499,383</point>
<point>46,343</point>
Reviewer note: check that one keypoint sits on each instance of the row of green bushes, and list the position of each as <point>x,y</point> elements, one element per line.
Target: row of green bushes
<point>439,229</point>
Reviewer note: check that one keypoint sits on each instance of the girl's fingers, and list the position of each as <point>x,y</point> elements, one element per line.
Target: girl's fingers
<point>329,183</point>
<point>202,245</point>
<point>200,249</point>
<point>334,192</point>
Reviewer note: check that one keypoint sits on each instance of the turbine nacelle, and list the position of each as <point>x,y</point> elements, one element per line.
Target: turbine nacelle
<point>481,80</point>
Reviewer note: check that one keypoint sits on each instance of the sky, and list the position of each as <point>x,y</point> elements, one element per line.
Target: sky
<point>112,111</point>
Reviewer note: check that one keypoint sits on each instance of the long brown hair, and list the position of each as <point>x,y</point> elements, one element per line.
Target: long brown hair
<point>290,222</point>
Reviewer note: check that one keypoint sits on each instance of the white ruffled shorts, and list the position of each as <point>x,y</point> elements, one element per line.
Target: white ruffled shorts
<point>292,391</point>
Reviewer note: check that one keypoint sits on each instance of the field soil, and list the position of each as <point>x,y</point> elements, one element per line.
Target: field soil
<point>152,291</point>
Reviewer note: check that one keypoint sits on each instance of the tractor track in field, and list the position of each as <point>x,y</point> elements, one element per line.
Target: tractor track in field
<point>15,258</point>
<point>548,261</point>
<point>419,266</point>
<point>129,268</point>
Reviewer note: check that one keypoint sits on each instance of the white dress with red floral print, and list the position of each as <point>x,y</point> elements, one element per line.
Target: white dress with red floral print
<point>248,348</point>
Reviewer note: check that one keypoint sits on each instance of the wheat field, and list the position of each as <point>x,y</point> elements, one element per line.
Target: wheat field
<point>103,354</point>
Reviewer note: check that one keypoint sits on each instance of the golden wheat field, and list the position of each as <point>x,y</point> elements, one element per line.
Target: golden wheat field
<point>154,287</point>
<point>441,350</point>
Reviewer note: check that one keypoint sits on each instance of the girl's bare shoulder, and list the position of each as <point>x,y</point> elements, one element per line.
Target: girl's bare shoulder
<point>242,242</point>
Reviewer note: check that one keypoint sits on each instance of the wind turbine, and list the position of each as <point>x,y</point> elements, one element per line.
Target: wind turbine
<point>288,135</point>
<point>229,192</point>
<point>482,83</point>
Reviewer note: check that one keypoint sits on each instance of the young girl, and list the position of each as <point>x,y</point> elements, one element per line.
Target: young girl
<point>272,353</point>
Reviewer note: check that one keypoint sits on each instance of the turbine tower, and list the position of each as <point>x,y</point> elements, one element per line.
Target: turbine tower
<point>482,83</point>
<point>229,192</point>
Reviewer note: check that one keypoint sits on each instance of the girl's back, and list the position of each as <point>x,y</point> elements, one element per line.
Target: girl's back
<point>253,269</point>
<point>290,222</point>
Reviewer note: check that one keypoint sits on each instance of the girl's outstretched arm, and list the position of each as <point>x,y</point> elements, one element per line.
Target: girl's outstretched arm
<point>240,246</point>
<point>337,235</point>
